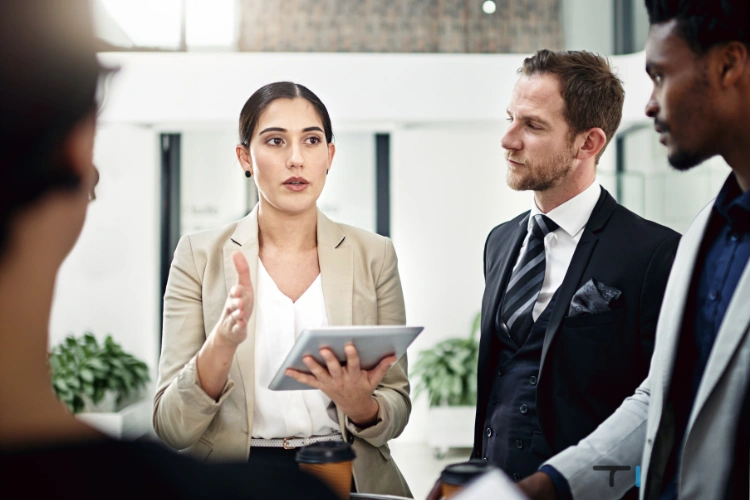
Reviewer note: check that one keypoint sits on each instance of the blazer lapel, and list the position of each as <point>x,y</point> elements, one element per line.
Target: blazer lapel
<point>672,310</point>
<point>337,278</point>
<point>732,331</point>
<point>336,271</point>
<point>599,217</point>
<point>502,260</point>
<point>245,239</point>
<point>499,273</point>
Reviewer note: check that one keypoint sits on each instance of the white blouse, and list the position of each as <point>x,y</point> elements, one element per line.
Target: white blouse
<point>278,324</point>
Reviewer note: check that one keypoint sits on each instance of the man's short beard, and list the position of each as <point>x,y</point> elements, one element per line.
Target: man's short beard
<point>684,160</point>
<point>547,174</point>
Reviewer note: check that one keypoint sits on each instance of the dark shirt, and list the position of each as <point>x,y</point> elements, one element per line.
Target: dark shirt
<point>724,253</point>
<point>131,470</point>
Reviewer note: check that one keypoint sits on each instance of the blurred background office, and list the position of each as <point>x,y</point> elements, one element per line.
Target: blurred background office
<point>417,91</point>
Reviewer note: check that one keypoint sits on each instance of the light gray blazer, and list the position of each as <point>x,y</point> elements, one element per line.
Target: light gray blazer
<point>629,436</point>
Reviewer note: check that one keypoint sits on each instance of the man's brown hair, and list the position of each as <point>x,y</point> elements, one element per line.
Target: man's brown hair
<point>593,94</point>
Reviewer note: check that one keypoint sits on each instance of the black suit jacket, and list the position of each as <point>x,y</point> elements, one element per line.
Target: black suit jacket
<point>589,363</point>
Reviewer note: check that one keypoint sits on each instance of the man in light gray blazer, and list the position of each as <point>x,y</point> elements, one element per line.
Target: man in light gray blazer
<point>687,426</point>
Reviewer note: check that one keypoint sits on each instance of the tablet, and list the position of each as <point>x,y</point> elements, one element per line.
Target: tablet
<point>373,343</point>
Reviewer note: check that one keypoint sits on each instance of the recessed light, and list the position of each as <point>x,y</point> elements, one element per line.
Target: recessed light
<point>489,7</point>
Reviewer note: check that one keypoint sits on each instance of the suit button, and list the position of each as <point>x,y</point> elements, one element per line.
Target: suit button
<point>713,295</point>
<point>516,476</point>
<point>501,372</point>
<point>519,444</point>
<point>489,432</point>
<point>350,438</point>
<point>495,400</point>
<point>524,409</point>
<point>485,459</point>
<point>734,236</point>
<point>532,380</point>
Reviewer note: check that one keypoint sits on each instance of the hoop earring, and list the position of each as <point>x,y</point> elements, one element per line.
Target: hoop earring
<point>326,171</point>
<point>248,174</point>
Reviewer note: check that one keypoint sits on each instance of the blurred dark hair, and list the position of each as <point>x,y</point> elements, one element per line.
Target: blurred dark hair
<point>259,101</point>
<point>593,94</point>
<point>704,23</point>
<point>48,83</point>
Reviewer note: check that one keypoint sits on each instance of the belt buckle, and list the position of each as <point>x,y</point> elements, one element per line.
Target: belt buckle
<point>287,446</point>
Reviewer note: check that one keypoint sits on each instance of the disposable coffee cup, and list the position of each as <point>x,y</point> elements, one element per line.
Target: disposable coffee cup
<point>331,462</point>
<point>456,476</point>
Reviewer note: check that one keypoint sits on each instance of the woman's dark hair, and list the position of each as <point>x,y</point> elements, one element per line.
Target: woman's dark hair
<point>48,82</point>
<point>265,95</point>
<point>704,23</point>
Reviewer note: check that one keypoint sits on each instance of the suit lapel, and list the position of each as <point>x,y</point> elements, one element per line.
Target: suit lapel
<point>337,278</point>
<point>336,271</point>
<point>501,260</point>
<point>499,272</point>
<point>672,310</point>
<point>245,239</point>
<point>732,331</point>
<point>580,260</point>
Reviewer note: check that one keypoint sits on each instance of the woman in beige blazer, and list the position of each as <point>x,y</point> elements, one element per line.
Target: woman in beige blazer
<point>205,401</point>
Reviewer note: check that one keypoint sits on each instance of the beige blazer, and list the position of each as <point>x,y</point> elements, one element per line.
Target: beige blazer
<point>361,285</point>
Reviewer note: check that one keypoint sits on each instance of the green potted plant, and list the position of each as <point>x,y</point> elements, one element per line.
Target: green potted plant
<point>448,375</point>
<point>100,383</point>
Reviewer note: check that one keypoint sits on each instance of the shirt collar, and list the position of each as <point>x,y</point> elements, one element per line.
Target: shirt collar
<point>572,215</point>
<point>733,204</point>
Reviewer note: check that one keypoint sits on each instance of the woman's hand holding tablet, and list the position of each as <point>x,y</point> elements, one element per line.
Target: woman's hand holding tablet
<point>348,386</point>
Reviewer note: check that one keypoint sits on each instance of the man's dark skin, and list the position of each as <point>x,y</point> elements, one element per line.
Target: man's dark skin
<point>700,106</point>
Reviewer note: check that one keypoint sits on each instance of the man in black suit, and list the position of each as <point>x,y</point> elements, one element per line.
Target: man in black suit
<point>574,286</point>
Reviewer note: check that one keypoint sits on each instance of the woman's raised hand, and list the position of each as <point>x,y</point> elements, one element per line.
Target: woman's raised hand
<point>215,357</point>
<point>231,330</point>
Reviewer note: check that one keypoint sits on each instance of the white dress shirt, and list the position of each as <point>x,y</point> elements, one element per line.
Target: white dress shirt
<point>560,244</point>
<point>278,324</point>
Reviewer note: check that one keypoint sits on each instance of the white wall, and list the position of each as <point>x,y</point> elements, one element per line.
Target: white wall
<point>448,191</point>
<point>588,25</point>
<point>110,281</point>
<point>662,194</point>
<point>213,189</point>
<point>349,194</point>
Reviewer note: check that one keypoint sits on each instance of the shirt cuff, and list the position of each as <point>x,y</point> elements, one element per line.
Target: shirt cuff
<point>561,484</point>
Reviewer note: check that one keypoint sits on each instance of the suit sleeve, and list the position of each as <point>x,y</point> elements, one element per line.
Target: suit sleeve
<point>652,294</point>
<point>182,410</point>
<point>393,392</point>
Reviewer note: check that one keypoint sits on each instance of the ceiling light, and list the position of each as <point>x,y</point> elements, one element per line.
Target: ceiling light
<point>489,7</point>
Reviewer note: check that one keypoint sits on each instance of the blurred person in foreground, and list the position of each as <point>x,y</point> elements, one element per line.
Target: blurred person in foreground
<point>48,82</point>
<point>688,424</point>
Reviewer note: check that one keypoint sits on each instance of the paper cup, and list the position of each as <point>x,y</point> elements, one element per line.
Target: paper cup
<point>456,476</point>
<point>331,462</point>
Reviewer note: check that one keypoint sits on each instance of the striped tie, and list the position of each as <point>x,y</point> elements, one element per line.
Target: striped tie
<point>526,282</point>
